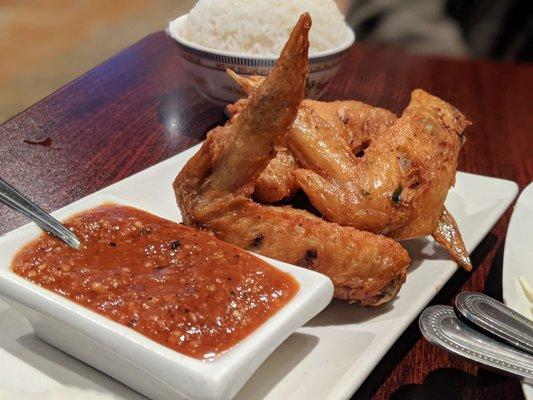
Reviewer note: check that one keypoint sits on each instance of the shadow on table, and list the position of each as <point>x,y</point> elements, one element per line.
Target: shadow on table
<point>445,296</point>
<point>449,384</point>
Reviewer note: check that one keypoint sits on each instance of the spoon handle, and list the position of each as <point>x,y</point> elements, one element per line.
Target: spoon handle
<point>496,318</point>
<point>441,327</point>
<point>17,201</point>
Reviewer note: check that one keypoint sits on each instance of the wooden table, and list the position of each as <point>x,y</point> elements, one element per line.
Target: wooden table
<point>139,108</point>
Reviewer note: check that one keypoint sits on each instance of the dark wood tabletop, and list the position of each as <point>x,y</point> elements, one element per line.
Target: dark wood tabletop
<point>140,107</point>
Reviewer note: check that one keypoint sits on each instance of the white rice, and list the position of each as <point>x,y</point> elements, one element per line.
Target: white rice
<point>261,27</point>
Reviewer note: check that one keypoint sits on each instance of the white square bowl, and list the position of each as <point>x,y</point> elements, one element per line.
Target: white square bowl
<point>137,361</point>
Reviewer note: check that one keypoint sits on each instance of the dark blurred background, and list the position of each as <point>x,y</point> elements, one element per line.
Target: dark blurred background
<point>498,29</point>
<point>47,43</point>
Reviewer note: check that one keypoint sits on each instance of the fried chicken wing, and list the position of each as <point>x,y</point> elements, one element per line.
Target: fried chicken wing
<point>358,124</point>
<point>326,136</point>
<point>433,132</point>
<point>365,268</point>
<point>237,153</point>
<point>213,192</point>
<point>339,184</point>
<point>399,185</point>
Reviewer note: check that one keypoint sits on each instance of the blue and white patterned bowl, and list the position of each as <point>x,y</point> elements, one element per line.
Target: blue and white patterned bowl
<point>207,67</point>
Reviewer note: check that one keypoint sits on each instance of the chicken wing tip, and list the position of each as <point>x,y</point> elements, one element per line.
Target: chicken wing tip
<point>447,234</point>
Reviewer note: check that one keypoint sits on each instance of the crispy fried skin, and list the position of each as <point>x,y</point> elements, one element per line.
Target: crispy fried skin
<point>399,185</point>
<point>432,132</point>
<point>213,192</point>
<point>365,268</point>
<point>277,181</point>
<point>400,197</point>
<point>237,153</point>
<point>356,123</point>
<point>447,235</point>
<point>335,183</point>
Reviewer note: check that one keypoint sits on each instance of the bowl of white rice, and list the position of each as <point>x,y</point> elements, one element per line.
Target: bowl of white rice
<point>247,36</point>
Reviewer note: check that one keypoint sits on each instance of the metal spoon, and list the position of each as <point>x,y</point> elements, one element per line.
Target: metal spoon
<point>443,328</point>
<point>17,201</point>
<point>495,318</point>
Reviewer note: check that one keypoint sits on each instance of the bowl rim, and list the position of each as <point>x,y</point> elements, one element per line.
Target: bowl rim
<point>173,33</point>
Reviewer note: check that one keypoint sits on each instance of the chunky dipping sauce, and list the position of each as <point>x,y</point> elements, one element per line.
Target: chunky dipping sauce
<point>174,284</point>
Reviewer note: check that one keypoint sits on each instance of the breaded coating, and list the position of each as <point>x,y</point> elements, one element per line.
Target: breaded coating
<point>333,130</point>
<point>447,235</point>
<point>397,187</point>
<point>366,268</point>
<point>357,123</point>
<point>277,181</point>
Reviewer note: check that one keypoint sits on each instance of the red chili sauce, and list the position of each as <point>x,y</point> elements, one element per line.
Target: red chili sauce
<point>181,287</point>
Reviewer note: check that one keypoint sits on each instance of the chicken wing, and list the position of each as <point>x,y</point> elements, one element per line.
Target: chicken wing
<point>399,185</point>
<point>358,124</point>
<point>365,268</point>
<point>335,183</point>
<point>213,192</point>
<point>382,192</point>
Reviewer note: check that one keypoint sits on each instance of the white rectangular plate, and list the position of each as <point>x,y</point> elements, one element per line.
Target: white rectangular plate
<point>329,358</point>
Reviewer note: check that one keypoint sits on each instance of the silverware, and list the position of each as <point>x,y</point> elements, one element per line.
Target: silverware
<point>17,201</point>
<point>441,327</point>
<point>496,318</point>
